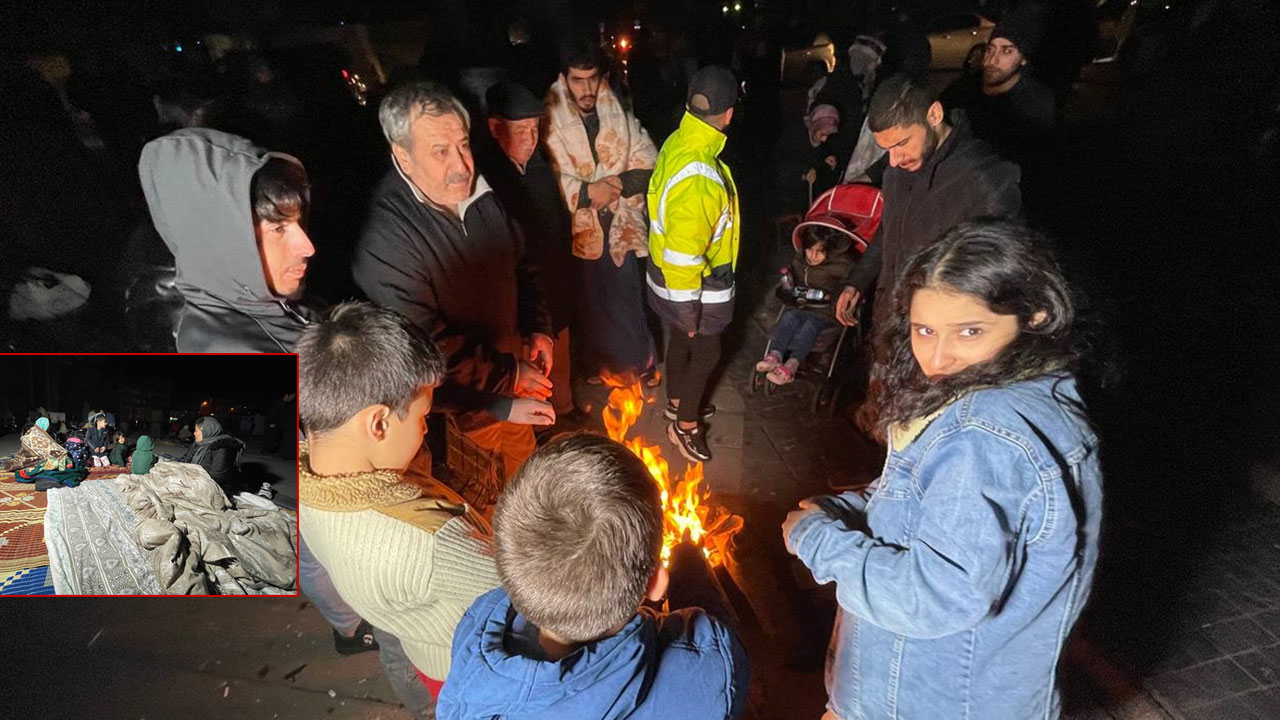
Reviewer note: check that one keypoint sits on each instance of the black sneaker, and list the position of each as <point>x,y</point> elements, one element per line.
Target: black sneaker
<point>267,491</point>
<point>692,443</point>
<point>362,641</point>
<point>705,413</point>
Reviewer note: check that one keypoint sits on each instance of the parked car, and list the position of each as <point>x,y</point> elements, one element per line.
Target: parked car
<point>957,40</point>
<point>803,66</point>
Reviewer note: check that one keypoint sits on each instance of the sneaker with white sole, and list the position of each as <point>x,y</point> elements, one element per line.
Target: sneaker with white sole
<point>692,443</point>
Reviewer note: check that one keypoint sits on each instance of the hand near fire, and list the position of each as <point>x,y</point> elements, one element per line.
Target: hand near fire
<point>527,411</point>
<point>539,349</point>
<point>793,518</point>
<point>531,382</point>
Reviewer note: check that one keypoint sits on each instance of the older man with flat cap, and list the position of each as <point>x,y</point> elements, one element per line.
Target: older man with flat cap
<point>521,176</point>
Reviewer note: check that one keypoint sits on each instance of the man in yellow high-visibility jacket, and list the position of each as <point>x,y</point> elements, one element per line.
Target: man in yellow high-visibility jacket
<point>693,250</point>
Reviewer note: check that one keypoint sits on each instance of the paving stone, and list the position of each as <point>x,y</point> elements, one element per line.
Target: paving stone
<point>1263,664</point>
<point>1235,636</point>
<point>1230,709</point>
<point>1270,621</point>
<point>1184,651</point>
<point>1220,678</point>
<point>1264,703</point>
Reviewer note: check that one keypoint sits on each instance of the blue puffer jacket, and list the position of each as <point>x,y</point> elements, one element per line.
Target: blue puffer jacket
<point>684,664</point>
<point>974,557</point>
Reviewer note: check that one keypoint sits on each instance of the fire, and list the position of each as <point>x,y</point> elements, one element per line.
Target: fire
<point>685,507</point>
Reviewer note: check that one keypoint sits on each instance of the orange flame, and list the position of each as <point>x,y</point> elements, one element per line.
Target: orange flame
<point>685,507</point>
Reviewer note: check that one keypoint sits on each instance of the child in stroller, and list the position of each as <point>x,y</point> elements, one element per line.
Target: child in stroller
<point>811,283</point>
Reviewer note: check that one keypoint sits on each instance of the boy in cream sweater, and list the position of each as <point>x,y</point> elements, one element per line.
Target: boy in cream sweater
<point>409,557</point>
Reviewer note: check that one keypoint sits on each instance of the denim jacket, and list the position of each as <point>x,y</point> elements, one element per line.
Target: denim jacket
<point>961,573</point>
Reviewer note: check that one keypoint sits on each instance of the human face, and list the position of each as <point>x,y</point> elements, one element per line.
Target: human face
<point>584,85</point>
<point>403,436</point>
<point>910,146</point>
<point>198,434</point>
<point>815,255</point>
<point>102,422</point>
<point>821,135</point>
<point>438,159</point>
<point>1001,62</point>
<point>284,249</point>
<point>518,138</point>
<point>952,331</point>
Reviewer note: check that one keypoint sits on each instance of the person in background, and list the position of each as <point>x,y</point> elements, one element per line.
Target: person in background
<point>409,556</point>
<point>143,458</point>
<point>119,450</point>
<point>603,159</point>
<point>98,440</point>
<point>961,570</point>
<point>939,176</point>
<point>529,190</point>
<point>806,160</point>
<point>217,452</point>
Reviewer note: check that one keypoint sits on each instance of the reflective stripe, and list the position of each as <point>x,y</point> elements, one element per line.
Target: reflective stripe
<point>673,295</point>
<point>713,297</point>
<point>686,172</point>
<point>721,226</point>
<point>679,259</point>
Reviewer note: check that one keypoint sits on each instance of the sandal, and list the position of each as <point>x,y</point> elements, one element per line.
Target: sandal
<point>770,361</point>
<point>781,375</point>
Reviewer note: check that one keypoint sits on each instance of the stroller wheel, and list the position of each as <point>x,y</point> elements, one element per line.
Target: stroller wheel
<point>757,382</point>
<point>768,387</point>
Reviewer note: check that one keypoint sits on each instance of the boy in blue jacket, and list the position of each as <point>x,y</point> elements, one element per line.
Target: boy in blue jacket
<point>577,535</point>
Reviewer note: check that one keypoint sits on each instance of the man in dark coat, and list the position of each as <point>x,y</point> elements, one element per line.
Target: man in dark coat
<point>1007,106</point>
<point>518,170</point>
<point>939,175</point>
<point>439,249</point>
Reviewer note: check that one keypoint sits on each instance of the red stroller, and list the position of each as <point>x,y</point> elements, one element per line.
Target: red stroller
<point>854,210</point>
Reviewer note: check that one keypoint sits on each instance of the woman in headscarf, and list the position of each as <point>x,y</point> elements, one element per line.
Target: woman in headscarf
<point>216,452</point>
<point>38,446</point>
<point>807,154</point>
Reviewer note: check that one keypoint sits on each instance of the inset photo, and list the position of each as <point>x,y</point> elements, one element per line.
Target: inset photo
<point>148,475</point>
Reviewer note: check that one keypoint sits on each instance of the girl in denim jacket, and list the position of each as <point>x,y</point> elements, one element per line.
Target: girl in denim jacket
<point>962,569</point>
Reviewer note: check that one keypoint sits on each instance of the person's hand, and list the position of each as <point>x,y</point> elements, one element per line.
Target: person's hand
<point>793,518</point>
<point>527,411</point>
<point>530,382</point>
<point>830,160</point>
<point>540,348</point>
<point>846,304</point>
<point>604,192</point>
<point>810,177</point>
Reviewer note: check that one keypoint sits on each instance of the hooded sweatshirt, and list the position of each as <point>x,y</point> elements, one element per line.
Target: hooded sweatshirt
<point>683,664</point>
<point>197,185</point>
<point>143,458</point>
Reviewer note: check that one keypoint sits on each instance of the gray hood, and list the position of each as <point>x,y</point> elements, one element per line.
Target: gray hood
<point>197,182</point>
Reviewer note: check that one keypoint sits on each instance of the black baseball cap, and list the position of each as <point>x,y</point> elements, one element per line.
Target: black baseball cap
<point>712,90</point>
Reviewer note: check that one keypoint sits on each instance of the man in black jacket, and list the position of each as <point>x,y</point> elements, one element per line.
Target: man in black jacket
<point>529,191</point>
<point>939,175</point>
<point>439,249</point>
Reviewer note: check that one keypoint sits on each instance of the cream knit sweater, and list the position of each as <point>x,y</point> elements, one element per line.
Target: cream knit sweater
<point>409,559</point>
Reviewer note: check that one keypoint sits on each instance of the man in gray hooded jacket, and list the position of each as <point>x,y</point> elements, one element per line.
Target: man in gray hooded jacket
<point>231,214</point>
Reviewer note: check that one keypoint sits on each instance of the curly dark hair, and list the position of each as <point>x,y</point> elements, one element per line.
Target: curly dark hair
<point>1012,270</point>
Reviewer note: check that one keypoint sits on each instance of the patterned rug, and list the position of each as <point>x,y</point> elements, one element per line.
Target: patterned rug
<point>24,559</point>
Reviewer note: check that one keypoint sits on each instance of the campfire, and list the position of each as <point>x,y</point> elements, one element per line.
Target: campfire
<point>686,510</point>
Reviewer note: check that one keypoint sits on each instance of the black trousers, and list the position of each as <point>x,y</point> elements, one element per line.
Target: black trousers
<point>690,362</point>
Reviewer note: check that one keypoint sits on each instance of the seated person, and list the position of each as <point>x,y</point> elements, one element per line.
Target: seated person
<point>143,459</point>
<point>97,438</point>
<point>37,446</point>
<point>184,435</point>
<point>119,450</point>
<point>819,264</point>
<point>408,556</point>
<point>578,536</point>
<point>217,452</point>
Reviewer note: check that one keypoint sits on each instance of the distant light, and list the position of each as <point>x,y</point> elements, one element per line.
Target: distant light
<point>345,75</point>
<point>724,10</point>
<point>737,7</point>
<point>624,43</point>
<point>341,23</point>
<point>177,48</point>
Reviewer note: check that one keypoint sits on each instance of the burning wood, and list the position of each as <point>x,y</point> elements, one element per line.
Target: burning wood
<point>686,511</point>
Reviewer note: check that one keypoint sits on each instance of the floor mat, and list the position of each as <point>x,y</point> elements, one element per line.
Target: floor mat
<point>21,526</point>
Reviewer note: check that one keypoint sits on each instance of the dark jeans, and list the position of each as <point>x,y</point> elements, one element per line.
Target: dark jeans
<point>690,362</point>
<point>797,331</point>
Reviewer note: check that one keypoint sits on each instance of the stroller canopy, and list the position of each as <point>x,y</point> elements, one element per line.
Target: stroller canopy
<point>853,209</point>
